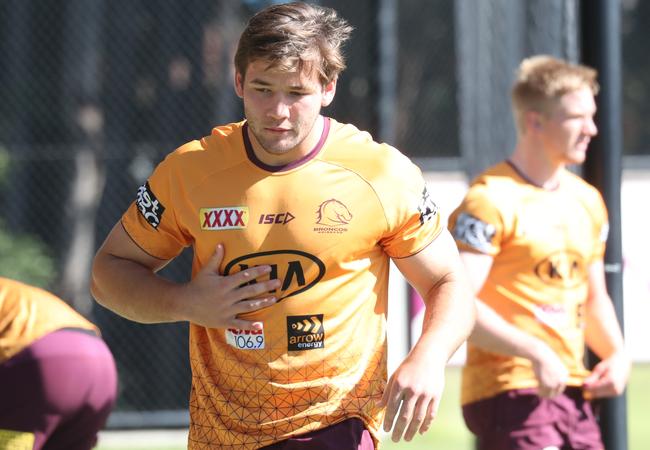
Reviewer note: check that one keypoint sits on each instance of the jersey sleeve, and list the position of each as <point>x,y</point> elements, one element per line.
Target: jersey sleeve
<point>151,220</point>
<point>412,215</point>
<point>477,224</point>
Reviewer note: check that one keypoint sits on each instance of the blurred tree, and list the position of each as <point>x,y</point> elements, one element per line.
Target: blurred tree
<point>25,258</point>
<point>636,73</point>
<point>22,257</point>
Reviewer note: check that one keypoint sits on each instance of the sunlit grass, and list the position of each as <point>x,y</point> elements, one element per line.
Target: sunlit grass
<point>449,432</point>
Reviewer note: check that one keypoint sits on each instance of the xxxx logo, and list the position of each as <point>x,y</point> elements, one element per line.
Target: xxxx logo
<point>232,218</point>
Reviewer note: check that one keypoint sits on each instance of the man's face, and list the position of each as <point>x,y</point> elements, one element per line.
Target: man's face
<point>569,127</point>
<point>281,109</point>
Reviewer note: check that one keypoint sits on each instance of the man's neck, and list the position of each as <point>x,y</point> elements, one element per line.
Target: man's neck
<point>293,155</point>
<point>536,167</point>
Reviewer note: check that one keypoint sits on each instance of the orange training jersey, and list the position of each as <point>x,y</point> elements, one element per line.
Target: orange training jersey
<point>542,242</point>
<point>327,224</point>
<point>28,313</point>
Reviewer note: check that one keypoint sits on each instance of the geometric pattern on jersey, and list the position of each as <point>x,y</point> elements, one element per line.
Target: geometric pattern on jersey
<point>245,416</point>
<point>542,242</point>
<point>328,226</point>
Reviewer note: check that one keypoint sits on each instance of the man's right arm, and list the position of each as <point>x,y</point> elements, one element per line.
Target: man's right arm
<point>124,280</point>
<point>493,333</point>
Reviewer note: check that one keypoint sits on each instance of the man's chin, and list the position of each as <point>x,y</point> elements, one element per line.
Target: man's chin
<point>277,150</point>
<point>578,158</point>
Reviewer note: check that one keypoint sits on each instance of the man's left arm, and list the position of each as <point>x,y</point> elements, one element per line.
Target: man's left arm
<point>604,337</point>
<point>414,390</point>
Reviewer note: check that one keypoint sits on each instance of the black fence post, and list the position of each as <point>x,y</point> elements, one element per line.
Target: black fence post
<point>601,49</point>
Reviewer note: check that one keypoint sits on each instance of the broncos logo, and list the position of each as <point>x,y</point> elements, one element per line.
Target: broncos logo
<point>333,213</point>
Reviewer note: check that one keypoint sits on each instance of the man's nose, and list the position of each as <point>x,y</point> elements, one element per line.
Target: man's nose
<point>279,108</point>
<point>591,128</point>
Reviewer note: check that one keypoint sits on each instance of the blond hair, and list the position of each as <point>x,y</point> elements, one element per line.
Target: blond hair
<point>295,35</point>
<point>542,80</point>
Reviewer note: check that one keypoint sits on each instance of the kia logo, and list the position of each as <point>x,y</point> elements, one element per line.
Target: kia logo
<point>298,271</point>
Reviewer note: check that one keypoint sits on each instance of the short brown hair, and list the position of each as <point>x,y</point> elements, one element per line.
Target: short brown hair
<point>542,80</point>
<point>295,35</point>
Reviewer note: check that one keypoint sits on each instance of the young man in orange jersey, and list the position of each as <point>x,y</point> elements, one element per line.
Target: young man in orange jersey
<point>58,381</point>
<point>532,236</point>
<point>293,218</point>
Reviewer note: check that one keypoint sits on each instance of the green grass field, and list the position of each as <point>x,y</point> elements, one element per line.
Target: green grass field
<point>449,432</point>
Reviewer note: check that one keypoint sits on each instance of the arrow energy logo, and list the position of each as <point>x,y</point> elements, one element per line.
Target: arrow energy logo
<point>305,332</point>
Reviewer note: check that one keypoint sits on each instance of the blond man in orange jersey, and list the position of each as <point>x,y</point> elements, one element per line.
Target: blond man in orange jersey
<point>532,236</point>
<point>293,218</point>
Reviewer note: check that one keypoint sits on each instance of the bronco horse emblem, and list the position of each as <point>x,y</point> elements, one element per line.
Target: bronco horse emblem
<point>333,213</point>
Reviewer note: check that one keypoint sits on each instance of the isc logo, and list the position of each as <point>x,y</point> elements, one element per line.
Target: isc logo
<point>280,218</point>
<point>233,218</point>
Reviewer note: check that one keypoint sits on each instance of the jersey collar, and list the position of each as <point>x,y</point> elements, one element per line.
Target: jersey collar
<point>309,156</point>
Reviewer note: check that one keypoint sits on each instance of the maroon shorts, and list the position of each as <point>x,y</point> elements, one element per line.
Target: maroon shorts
<point>61,389</point>
<point>351,434</point>
<point>520,420</point>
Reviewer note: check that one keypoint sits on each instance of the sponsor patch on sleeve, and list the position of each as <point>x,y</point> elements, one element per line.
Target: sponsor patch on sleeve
<point>149,206</point>
<point>427,207</point>
<point>245,339</point>
<point>474,232</point>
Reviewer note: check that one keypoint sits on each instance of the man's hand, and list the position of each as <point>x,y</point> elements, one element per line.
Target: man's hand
<point>215,301</point>
<point>412,397</point>
<point>550,371</point>
<point>609,377</point>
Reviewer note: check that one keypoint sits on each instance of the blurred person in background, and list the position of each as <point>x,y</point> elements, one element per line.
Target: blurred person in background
<point>532,236</point>
<point>58,381</point>
<point>293,219</point>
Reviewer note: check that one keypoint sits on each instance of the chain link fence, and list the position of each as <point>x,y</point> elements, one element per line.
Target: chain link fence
<point>96,92</point>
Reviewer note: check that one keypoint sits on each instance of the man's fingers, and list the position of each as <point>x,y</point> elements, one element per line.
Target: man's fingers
<point>602,388</point>
<point>417,419</point>
<point>253,305</point>
<point>250,291</point>
<point>241,324</point>
<point>404,418</point>
<point>249,276</point>
<point>392,399</point>
<point>215,260</point>
<point>550,391</point>
<point>432,412</point>
<point>384,398</point>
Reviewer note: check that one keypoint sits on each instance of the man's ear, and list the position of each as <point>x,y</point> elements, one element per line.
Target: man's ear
<point>533,120</point>
<point>329,90</point>
<point>239,84</point>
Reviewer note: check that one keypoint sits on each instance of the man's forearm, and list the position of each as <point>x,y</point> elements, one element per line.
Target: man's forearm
<point>495,334</point>
<point>134,291</point>
<point>449,317</point>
